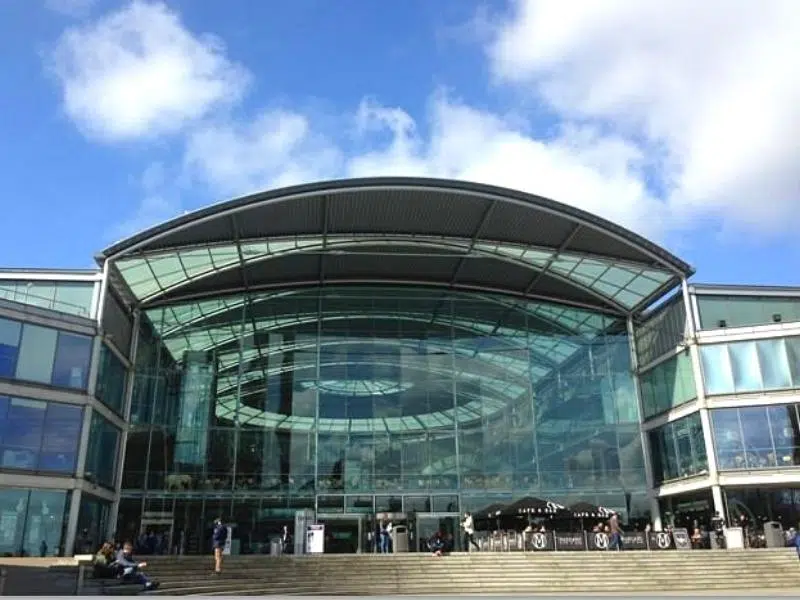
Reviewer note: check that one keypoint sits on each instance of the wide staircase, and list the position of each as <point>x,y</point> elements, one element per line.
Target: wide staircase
<point>483,573</point>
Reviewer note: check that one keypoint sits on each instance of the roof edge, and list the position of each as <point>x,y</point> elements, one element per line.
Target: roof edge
<point>329,186</point>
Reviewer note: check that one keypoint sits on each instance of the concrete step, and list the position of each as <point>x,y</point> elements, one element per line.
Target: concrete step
<point>480,573</point>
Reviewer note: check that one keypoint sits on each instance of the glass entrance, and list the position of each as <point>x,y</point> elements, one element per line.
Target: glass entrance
<point>448,524</point>
<point>344,534</point>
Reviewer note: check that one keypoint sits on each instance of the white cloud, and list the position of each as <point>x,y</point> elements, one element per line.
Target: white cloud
<point>139,72</point>
<point>277,149</point>
<point>716,84</point>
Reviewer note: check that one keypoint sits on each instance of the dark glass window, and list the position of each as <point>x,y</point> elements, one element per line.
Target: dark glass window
<point>101,457</point>
<point>39,436</point>
<point>72,359</point>
<point>111,380</point>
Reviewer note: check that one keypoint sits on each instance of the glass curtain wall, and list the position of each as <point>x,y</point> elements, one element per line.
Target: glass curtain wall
<point>347,399</point>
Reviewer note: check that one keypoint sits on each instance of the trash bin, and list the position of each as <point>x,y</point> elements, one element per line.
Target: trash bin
<point>400,538</point>
<point>276,547</point>
<point>773,535</point>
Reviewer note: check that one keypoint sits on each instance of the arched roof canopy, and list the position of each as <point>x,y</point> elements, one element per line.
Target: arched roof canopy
<point>430,232</point>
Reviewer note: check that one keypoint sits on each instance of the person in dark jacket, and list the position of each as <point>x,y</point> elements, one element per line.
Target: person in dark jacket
<point>218,539</point>
<point>131,569</point>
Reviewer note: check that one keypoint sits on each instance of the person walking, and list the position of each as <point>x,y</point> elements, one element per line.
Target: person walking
<point>218,539</point>
<point>468,526</point>
<point>615,531</point>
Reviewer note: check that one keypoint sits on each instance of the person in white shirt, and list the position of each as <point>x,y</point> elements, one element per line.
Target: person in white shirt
<point>469,532</point>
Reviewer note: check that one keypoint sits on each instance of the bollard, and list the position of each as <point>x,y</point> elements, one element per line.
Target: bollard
<point>3,577</point>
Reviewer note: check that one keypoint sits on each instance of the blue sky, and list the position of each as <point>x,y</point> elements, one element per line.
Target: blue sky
<point>679,121</point>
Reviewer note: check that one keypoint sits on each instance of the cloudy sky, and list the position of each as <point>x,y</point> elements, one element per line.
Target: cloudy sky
<point>679,120</point>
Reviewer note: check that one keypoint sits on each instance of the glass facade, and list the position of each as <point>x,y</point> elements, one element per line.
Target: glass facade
<point>746,311</point>
<point>111,380</point>
<point>678,449</point>
<point>92,524</point>
<point>71,297</point>
<point>668,385</point>
<point>37,436</point>
<point>37,354</point>
<point>101,456</point>
<point>352,399</point>
<point>751,366</point>
<point>757,437</point>
<point>32,522</point>
<point>661,332</point>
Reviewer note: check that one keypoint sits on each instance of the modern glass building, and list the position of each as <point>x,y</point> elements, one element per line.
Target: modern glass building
<point>407,346</point>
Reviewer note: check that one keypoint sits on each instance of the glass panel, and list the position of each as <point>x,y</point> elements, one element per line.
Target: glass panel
<point>331,397</point>
<point>679,449</point>
<point>759,453</point>
<point>37,351</point>
<point>33,522</point>
<point>785,430</point>
<point>746,311</point>
<point>728,439</point>
<point>22,435</point>
<point>744,365</point>
<point>92,524</point>
<point>101,456</point>
<point>717,372</point>
<point>61,439</point>
<point>793,354</point>
<point>10,333</point>
<point>668,385</point>
<point>45,525</point>
<point>73,356</point>
<point>74,298</point>
<point>14,509</point>
<point>111,380</point>
<point>773,361</point>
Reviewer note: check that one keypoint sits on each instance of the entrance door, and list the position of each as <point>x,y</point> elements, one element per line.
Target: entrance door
<point>448,524</point>
<point>158,527</point>
<point>344,534</point>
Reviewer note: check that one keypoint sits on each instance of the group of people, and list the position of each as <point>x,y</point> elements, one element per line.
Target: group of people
<point>110,563</point>
<point>118,563</point>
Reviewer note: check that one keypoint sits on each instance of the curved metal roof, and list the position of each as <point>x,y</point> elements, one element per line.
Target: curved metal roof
<point>431,232</point>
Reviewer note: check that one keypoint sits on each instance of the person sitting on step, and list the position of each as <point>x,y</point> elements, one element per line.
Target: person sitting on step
<point>131,569</point>
<point>437,544</point>
<point>104,564</point>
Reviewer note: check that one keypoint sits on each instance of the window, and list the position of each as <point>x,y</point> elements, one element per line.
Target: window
<point>756,437</point>
<point>71,297</point>
<point>39,436</point>
<point>73,356</point>
<point>668,385</point>
<point>111,380</point>
<point>751,366</point>
<point>10,332</point>
<point>678,449</point>
<point>33,522</point>
<point>44,355</point>
<point>745,311</point>
<point>101,456</point>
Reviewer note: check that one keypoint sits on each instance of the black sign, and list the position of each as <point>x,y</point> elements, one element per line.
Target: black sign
<point>597,540</point>
<point>681,539</point>
<point>539,541</point>
<point>634,540</point>
<point>659,540</point>
<point>570,541</point>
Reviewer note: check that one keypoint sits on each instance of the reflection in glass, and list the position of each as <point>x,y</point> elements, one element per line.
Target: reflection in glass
<point>678,449</point>
<point>343,394</point>
<point>757,437</point>
<point>44,355</point>
<point>668,385</point>
<point>33,522</point>
<point>741,367</point>
<point>39,436</point>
